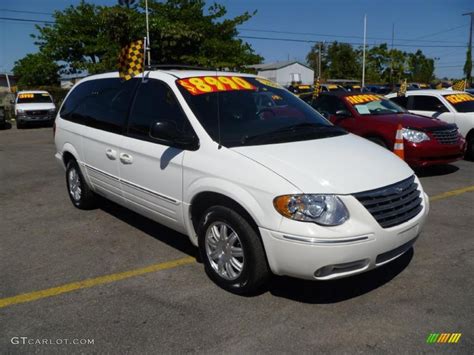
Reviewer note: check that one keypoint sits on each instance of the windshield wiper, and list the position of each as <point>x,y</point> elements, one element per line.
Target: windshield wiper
<point>297,128</point>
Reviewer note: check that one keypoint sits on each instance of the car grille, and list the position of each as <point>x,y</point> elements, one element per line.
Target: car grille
<point>37,113</point>
<point>394,204</point>
<point>447,136</point>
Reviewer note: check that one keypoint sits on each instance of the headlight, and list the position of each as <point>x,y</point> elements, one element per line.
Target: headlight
<point>20,111</point>
<point>414,136</point>
<point>52,110</point>
<point>327,210</point>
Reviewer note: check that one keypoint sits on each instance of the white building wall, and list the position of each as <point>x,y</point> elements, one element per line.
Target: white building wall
<point>283,76</point>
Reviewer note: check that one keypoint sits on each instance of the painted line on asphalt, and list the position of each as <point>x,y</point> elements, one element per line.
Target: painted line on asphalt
<point>74,286</point>
<point>452,193</point>
<point>101,280</point>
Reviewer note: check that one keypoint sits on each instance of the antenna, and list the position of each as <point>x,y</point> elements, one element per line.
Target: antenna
<point>147,44</point>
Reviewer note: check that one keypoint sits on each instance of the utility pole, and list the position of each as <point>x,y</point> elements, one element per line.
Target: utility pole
<point>468,65</point>
<point>147,44</point>
<point>363,53</point>
<point>391,53</point>
<point>319,60</point>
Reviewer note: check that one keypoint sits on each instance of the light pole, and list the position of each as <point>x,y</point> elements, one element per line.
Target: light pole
<point>468,65</point>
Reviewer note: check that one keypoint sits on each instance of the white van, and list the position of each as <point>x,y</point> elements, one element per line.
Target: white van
<point>258,189</point>
<point>34,106</point>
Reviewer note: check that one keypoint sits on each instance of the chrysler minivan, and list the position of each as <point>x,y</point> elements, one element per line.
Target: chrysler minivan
<point>260,189</point>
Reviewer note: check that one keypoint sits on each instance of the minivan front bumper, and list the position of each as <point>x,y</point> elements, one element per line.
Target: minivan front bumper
<point>344,252</point>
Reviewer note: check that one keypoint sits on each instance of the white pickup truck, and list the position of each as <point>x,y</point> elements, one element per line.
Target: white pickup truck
<point>34,107</point>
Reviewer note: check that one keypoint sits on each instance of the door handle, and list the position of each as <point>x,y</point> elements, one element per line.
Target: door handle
<point>111,154</point>
<point>126,158</point>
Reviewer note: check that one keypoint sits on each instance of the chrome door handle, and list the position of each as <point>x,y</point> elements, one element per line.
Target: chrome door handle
<point>111,154</point>
<point>126,158</point>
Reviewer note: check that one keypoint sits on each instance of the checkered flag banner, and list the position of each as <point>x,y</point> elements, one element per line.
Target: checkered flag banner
<point>316,88</point>
<point>403,88</point>
<point>131,60</point>
<point>459,85</point>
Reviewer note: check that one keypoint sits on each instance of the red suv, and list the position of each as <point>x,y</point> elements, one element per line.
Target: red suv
<point>426,141</point>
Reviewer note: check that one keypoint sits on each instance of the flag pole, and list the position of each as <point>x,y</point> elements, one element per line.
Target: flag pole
<point>147,44</point>
<point>363,52</point>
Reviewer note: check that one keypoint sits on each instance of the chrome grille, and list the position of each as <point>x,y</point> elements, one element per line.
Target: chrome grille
<point>446,136</point>
<point>394,204</point>
<point>37,113</point>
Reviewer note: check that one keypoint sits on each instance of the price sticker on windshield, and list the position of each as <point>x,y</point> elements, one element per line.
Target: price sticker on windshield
<point>26,96</point>
<point>209,84</point>
<point>361,99</point>
<point>458,98</point>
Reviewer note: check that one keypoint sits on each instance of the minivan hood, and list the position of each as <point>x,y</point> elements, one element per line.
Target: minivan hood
<point>35,106</point>
<point>338,165</point>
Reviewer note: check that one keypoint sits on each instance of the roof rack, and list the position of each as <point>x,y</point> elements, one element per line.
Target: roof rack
<point>177,66</point>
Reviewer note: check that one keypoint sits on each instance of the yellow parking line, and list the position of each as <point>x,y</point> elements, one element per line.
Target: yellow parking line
<point>33,296</point>
<point>54,291</point>
<point>452,193</point>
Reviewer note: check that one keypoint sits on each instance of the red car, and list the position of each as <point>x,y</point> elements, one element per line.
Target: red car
<point>426,141</point>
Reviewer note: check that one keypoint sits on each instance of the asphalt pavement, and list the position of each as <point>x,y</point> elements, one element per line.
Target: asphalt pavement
<point>45,242</point>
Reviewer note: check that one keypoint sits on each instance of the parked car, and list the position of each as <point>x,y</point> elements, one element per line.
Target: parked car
<point>332,88</point>
<point>34,107</point>
<point>426,142</point>
<point>276,189</point>
<point>447,105</point>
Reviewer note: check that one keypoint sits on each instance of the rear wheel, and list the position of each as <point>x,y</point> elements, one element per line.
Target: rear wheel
<point>232,252</point>
<point>81,196</point>
<point>470,147</point>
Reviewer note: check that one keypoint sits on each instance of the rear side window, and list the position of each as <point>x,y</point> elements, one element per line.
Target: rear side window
<point>101,104</point>
<point>427,103</point>
<point>400,101</point>
<point>155,102</point>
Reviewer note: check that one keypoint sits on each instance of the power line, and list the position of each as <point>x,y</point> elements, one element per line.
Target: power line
<point>25,20</point>
<point>27,12</point>
<point>444,31</point>
<point>351,43</point>
<point>339,36</point>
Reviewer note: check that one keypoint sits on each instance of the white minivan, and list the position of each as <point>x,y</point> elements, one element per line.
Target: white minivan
<point>259,189</point>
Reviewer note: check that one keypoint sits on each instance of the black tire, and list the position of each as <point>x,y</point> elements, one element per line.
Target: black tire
<point>378,141</point>
<point>470,148</point>
<point>255,271</point>
<point>86,199</point>
<point>19,125</point>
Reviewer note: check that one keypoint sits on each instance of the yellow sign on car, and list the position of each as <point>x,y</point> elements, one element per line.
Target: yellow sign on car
<point>458,98</point>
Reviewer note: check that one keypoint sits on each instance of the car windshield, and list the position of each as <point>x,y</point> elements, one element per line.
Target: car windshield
<point>373,105</point>
<point>252,111</point>
<point>26,98</point>
<point>461,102</point>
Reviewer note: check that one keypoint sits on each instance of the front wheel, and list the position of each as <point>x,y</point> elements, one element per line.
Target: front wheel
<point>470,148</point>
<point>80,194</point>
<point>232,252</point>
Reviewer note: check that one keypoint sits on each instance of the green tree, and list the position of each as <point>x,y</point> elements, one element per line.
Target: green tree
<point>36,70</point>
<point>377,63</point>
<point>343,62</point>
<point>468,66</point>
<point>420,67</point>
<point>89,37</point>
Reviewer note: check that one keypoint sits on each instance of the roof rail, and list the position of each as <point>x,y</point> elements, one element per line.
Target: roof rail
<point>176,66</point>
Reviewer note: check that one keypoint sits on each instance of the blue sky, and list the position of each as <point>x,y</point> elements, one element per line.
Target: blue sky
<point>418,24</point>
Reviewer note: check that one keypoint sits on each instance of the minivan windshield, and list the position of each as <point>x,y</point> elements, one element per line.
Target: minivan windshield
<point>461,102</point>
<point>370,104</point>
<point>252,111</point>
<point>27,98</point>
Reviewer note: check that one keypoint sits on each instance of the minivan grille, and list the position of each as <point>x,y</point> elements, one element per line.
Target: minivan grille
<point>393,204</point>
<point>37,113</point>
<point>446,136</point>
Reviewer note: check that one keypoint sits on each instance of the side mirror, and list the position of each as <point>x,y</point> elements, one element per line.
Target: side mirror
<point>343,113</point>
<point>168,133</point>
